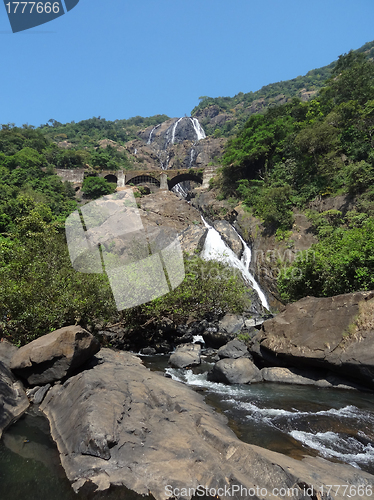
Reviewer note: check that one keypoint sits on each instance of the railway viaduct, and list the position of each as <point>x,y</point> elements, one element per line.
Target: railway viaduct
<point>162,179</point>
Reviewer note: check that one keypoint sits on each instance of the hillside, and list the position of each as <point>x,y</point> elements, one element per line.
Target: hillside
<point>293,155</point>
<point>281,160</point>
<point>225,116</point>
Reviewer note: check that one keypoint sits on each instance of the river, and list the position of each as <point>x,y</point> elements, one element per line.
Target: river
<point>295,420</point>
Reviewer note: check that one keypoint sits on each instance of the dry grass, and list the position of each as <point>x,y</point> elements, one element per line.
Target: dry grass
<point>363,322</point>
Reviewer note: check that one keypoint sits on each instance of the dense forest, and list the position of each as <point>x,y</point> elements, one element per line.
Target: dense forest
<point>300,151</point>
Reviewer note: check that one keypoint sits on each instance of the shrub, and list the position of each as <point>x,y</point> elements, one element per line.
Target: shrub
<point>94,187</point>
<point>40,291</point>
<point>209,287</point>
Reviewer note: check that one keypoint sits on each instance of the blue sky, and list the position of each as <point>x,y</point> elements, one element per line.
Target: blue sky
<point>122,58</point>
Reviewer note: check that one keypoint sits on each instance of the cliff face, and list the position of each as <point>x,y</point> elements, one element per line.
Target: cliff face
<point>178,143</point>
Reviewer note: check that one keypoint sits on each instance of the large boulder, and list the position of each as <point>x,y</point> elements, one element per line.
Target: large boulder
<point>13,399</point>
<point>120,424</point>
<point>54,356</point>
<point>233,349</point>
<point>231,324</point>
<point>186,355</point>
<point>235,371</point>
<point>329,333</point>
<point>193,238</point>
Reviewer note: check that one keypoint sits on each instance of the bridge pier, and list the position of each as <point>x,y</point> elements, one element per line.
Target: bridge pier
<point>164,182</point>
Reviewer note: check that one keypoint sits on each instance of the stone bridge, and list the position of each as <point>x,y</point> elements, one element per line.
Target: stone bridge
<point>163,179</point>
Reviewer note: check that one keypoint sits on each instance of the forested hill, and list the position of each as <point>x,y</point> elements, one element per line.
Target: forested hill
<point>225,116</point>
<point>293,154</point>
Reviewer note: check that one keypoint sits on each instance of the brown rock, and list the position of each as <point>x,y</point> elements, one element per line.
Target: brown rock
<point>120,424</point>
<point>54,356</point>
<point>235,371</point>
<point>229,236</point>
<point>233,349</point>
<point>13,399</point>
<point>315,332</point>
<point>186,355</point>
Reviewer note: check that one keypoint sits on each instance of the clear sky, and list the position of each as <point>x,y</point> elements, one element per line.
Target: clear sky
<point>121,58</point>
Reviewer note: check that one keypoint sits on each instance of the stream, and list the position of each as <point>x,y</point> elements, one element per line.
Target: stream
<point>295,420</point>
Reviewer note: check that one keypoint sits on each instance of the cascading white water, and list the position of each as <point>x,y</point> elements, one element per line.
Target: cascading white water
<point>200,134</point>
<point>174,129</point>
<point>178,189</point>
<point>192,156</point>
<point>216,249</point>
<point>150,135</point>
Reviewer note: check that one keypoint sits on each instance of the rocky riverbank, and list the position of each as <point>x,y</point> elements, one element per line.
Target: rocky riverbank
<point>117,423</point>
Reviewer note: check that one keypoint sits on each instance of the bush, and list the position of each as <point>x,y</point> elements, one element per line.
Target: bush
<point>209,287</point>
<point>342,262</point>
<point>94,187</point>
<point>40,291</point>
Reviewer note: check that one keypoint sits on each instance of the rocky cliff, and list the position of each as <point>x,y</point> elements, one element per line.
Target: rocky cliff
<point>175,143</point>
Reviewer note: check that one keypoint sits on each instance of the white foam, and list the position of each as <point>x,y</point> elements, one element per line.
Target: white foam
<point>197,338</point>
<point>329,443</point>
<point>200,380</point>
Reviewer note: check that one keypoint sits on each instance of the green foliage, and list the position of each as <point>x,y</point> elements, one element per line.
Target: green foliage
<point>239,108</point>
<point>341,262</point>
<point>40,291</point>
<point>208,287</point>
<point>87,133</point>
<point>94,187</point>
<point>302,150</point>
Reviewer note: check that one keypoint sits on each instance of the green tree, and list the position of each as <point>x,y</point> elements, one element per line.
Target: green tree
<point>94,187</point>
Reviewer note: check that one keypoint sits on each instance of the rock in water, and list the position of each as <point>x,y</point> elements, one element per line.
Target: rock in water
<point>13,399</point>
<point>233,349</point>
<point>119,423</point>
<point>229,236</point>
<point>235,371</point>
<point>321,333</point>
<point>186,355</point>
<point>54,356</point>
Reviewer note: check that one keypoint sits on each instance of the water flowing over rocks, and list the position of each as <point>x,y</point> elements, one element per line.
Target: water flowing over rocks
<point>120,424</point>
<point>13,399</point>
<point>54,356</point>
<point>175,143</point>
<point>229,236</point>
<point>321,333</point>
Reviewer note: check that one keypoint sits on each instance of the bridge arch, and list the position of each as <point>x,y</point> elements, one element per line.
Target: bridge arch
<point>140,179</point>
<point>111,178</point>
<point>184,177</point>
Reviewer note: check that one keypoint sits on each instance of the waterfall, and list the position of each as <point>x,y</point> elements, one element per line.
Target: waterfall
<point>216,249</point>
<point>192,156</point>
<point>174,129</point>
<point>200,134</point>
<point>165,166</point>
<point>179,189</point>
<point>150,135</point>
